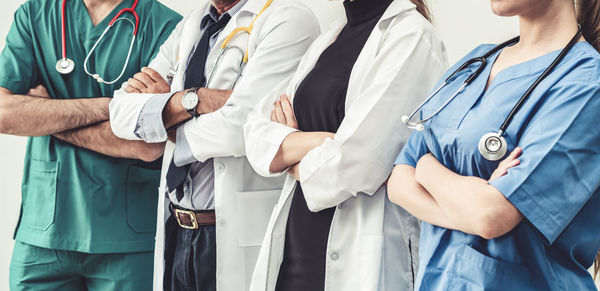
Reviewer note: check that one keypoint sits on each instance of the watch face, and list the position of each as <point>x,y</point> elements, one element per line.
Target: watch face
<point>190,100</point>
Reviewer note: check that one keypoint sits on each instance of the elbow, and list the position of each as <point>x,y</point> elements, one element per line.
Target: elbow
<point>151,152</point>
<point>4,127</point>
<point>4,118</point>
<point>495,223</point>
<point>488,229</point>
<point>394,188</point>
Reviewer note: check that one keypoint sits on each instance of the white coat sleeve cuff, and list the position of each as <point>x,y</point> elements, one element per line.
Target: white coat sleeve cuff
<point>183,152</point>
<point>149,126</point>
<point>264,148</point>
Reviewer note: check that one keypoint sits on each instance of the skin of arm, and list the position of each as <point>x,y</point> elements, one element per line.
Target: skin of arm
<point>297,144</point>
<point>209,100</point>
<point>473,205</point>
<point>404,190</point>
<point>100,138</point>
<point>33,116</point>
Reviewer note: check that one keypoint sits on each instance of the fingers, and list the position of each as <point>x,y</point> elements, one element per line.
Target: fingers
<point>136,85</point>
<point>288,111</point>
<point>279,113</point>
<point>515,153</point>
<point>511,157</point>
<point>154,75</point>
<point>274,116</point>
<point>130,89</point>
<point>510,162</point>
<point>154,81</point>
<point>144,79</point>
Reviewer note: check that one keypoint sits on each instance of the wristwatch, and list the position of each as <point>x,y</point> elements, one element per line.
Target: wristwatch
<point>190,101</point>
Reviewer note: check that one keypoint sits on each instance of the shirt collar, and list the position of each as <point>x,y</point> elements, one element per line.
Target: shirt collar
<point>214,16</point>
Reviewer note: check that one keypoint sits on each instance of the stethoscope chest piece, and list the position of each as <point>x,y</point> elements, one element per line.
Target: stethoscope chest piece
<point>493,146</point>
<point>65,66</point>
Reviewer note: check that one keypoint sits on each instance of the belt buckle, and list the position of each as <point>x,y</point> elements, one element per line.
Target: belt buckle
<point>192,216</point>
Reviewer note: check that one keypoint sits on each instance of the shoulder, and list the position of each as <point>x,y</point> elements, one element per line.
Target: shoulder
<point>293,16</point>
<point>583,65</point>
<point>158,12</point>
<point>410,29</point>
<point>290,11</point>
<point>37,10</point>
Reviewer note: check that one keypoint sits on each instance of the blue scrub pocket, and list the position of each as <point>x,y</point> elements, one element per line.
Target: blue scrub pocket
<point>142,199</point>
<point>39,195</point>
<point>476,271</point>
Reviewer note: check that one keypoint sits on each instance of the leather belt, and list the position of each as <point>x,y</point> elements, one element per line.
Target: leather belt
<point>189,219</point>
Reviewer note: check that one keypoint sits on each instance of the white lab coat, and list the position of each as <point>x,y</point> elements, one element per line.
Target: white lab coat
<point>372,242</point>
<point>244,200</point>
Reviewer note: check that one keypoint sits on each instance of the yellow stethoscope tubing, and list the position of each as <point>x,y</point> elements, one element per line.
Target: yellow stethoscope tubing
<point>248,29</point>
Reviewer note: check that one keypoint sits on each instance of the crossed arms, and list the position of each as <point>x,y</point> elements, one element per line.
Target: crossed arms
<point>82,122</point>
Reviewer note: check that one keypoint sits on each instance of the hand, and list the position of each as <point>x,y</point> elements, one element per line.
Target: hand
<point>294,171</point>
<point>172,135</point>
<point>147,81</point>
<point>284,113</point>
<point>39,91</point>
<point>509,162</point>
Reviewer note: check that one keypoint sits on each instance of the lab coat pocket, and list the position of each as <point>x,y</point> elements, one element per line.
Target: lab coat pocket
<point>39,195</point>
<point>254,210</point>
<point>142,199</point>
<point>476,271</point>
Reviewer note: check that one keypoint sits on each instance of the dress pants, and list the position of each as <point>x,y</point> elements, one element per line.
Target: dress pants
<point>190,258</point>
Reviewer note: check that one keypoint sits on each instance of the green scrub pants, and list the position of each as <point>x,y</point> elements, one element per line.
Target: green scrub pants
<point>35,268</point>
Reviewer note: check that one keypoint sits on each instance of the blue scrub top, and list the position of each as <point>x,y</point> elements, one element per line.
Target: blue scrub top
<point>555,187</point>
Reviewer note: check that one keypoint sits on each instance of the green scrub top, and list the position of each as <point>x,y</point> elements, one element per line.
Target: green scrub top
<point>72,198</point>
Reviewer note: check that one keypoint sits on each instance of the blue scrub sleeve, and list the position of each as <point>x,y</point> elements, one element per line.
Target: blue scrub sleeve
<point>19,70</point>
<point>560,164</point>
<point>414,149</point>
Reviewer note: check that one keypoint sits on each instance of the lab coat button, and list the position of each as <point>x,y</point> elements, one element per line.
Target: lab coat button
<point>220,167</point>
<point>335,256</point>
<point>221,221</point>
<point>340,206</point>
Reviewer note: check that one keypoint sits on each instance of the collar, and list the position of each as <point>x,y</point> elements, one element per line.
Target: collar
<point>361,11</point>
<point>397,7</point>
<point>212,14</point>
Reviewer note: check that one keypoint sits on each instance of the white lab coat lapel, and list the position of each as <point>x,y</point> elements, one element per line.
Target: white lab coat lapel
<point>228,67</point>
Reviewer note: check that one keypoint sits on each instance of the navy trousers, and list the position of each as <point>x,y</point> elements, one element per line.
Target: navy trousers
<point>190,258</point>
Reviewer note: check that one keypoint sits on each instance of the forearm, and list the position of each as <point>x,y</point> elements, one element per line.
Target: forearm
<point>209,100</point>
<point>404,191</point>
<point>32,116</point>
<point>470,202</point>
<point>100,138</point>
<point>295,146</point>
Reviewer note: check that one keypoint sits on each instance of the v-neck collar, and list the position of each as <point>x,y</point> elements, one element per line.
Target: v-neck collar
<point>84,20</point>
<point>516,71</point>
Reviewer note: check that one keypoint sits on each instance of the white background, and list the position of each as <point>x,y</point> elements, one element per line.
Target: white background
<point>462,24</point>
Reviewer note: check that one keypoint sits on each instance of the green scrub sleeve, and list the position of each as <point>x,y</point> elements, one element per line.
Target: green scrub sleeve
<point>19,71</point>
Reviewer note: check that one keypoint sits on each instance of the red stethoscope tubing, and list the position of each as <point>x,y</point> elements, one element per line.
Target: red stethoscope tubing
<point>125,10</point>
